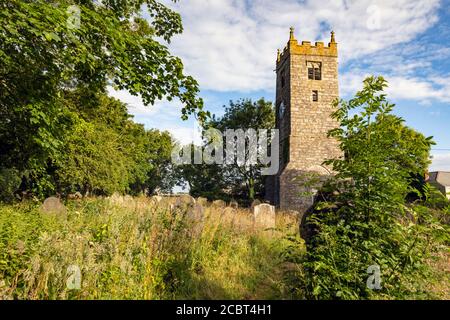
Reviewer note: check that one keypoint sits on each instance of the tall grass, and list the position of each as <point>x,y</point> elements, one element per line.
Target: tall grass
<point>137,249</point>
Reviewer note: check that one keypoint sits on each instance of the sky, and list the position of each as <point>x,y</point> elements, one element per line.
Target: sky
<point>229,47</point>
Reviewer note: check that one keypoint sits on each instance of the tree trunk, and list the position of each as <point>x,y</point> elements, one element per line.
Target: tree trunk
<point>251,188</point>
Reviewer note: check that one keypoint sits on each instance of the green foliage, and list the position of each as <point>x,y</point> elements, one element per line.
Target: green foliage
<point>204,180</point>
<point>53,78</point>
<point>161,175</point>
<point>361,218</point>
<point>136,250</point>
<point>434,199</point>
<point>232,181</point>
<point>9,183</point>
<point>93,161</point>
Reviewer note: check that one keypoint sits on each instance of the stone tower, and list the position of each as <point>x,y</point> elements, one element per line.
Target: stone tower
<point>307,85</point>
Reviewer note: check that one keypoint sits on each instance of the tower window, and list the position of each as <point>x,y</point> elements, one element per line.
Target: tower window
<point>315,95</point>
<point>314,70</point>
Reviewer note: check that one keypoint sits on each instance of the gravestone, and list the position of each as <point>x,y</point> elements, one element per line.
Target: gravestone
<point>128,199</point>
<point>196,212</point>
<point>229,211</point>
<point>196,219</point>
<point>54,206</point>
<point>219,204</point>
<point>155,200</point>
<point>184,201</point>
<point>202,201</point>
<point>228,215</point>
<point>234,204</point>
<point>255,203</point>
<point>116,198</point>
<point>264,216</point>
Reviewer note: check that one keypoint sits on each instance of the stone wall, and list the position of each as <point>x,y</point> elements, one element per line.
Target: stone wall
<point>304,144</point>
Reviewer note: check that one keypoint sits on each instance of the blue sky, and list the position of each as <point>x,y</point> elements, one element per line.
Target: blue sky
<point>230,46</point>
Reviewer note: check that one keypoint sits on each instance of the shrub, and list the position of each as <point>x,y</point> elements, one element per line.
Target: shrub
<point>9,184</point>
<point>361,221</point>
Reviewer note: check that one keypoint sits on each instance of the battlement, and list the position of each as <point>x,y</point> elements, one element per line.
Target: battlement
<point>305,48</point>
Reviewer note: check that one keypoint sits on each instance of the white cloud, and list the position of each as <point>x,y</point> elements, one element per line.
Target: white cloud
<point>441,162</point>
<point>231,44</point>
<point>136,107</point>
<point>402,87</point>
<point>163,115</point>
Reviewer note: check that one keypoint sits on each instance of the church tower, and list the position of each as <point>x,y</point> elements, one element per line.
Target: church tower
<point>307,85</point>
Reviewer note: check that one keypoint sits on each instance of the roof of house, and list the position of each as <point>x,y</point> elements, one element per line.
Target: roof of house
<point>440,177</point>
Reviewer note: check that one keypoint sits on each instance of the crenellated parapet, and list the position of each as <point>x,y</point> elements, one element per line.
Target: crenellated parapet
<point>305,48</point>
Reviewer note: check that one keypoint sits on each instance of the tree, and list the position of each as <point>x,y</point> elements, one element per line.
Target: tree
<point>360,219</point>
<point>203,180</point>
<point>107,152</point>
<point>160,176</point>
<point>245,114</point>
<point>94,161</point>
<point>46,55</point>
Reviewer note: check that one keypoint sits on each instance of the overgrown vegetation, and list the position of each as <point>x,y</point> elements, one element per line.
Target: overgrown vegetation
<point>134,249</point>
<point>61,133</point>
<point>59,130</point>
<point>239,181</point>
<point>361,220</point>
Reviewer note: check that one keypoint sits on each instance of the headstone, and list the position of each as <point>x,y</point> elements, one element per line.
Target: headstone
<point>196,213</point>
<point>116,198</point>
<point>218,204</point>
<point>264,216</point>
<point>128,199</point>
<point>53,205</point>
<point>255,203</point>
<point>228,215</point>
<point>229,211</point>
<point>202,201</point>
<point>196,219</point>
<point>156,199</point>
<point>185,201</point>
<point>234,204</point>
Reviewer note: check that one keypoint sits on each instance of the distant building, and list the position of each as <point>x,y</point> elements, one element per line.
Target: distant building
<point>441,180</point>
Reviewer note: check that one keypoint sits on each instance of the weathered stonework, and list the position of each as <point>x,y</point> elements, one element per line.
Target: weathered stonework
<point>304,124</point>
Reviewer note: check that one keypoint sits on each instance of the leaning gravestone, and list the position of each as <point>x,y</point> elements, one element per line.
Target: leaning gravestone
<point>116,198</point>
<point>155,200</point>
<point>264,216</point>
<point>219,204</point>
<point>184,201</point>
<point>229,211</point>
<point>255,203</point>
<point>202,201</point>
<point>54,206</point>
<point>196,219</point>
<point>234,204</point>
<point>228,215</point>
